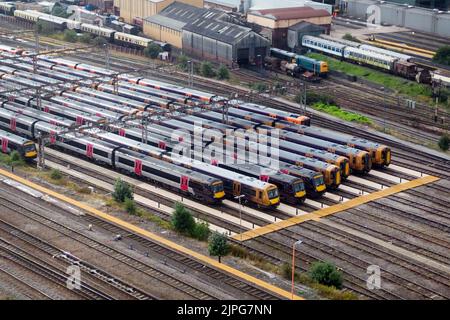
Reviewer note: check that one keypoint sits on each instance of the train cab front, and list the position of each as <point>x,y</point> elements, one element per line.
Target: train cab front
<point>382,156</point>
<point>362,162</point>
<point>218,191</point>
<point>335,178</point>
<point>274,197</point>
<point>324,68</point>
<point>319,186</point>
<point>29,151</point>
<point>299,191</point>
<point>300,120</point>
<point>344,166</point>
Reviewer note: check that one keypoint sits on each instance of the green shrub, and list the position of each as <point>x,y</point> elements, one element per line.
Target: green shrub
<point>258,86</point>
<point>183,62</point>
<point>70,36</point>
<point>341,114</point>
<point>313,97</point>
<point>286,271</point>
<point>15,156</point>
<point>442,55</point>
<point>55,174</point>
<point>152,50</point>
<point>201,231</point>
<point>182,219</point>
<point>130,206</point>
<point>207,70</point>
<point>223,73</point>
<point>218,245</point>
<point>85,38</point>
<point>444,142</point>
<point>349,37</point>
<point>45,28</point>
<point>99,41</point>
<point>122,191</point>
<point>326,273</point>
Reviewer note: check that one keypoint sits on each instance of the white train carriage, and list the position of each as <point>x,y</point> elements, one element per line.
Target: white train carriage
<point>57,22</point>
<point>73,25</point>
<point>369,58</point>
<point>348,43</point>
<point>131,40</point>
<point>324,45</point>
<point>7,8</point>
<point>28,15</point>
<point>382,51</point>
<point>98,31</point>
<point>10,142</point>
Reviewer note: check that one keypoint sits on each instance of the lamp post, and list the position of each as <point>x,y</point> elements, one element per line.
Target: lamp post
<point>384,105</point>
<point>240,214</point>
<point>293,266</point>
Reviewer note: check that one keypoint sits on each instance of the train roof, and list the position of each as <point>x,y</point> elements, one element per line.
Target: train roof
<point>131,36</point>
<point>93,27</point>
<point>325,41</point>
<point>318,142</point>
<point>284,52</point>
<point>258,170</point>
<point>252,106</point>
<point>169,167</point>
<point>342,41</point>
<point>13,138</point>
<point>372,54</point>
<point>394,54</point>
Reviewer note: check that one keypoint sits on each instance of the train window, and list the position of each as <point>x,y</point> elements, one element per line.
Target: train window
<point>126,161</point>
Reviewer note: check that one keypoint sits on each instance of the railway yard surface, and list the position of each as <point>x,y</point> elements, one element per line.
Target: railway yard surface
<point>393,218</point>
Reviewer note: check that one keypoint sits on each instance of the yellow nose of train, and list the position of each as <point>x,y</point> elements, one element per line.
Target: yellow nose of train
<point>219,195</point>
<point>324,67</point>
<point>300,194</point>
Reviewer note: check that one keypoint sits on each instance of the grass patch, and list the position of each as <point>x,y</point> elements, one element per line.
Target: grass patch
<point>342,114</point>
<point>400,85</point>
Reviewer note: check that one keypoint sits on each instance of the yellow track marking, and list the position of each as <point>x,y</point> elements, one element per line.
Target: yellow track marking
<point>316,215</point>
<point>152,236</point>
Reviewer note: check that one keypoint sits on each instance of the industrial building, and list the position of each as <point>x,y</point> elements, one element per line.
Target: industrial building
<point>205,33</point>
<point>133,11</point>
<point>297,31</point>
<point>168,25</point>
<point>275,23</point>
<point>244,6</point>
<point>421,19</point>
<point>224,42</point>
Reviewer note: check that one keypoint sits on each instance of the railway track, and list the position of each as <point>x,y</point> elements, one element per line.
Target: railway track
<point>182,260</point>
<point>283,246</point>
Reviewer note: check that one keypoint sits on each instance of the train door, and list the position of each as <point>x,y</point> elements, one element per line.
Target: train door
<point>4,145</point>
<point>236,188</point>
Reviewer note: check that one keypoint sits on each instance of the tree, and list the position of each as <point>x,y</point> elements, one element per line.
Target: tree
<point>326,273</point>
<point>207,70</point>
<point>152,50</point>
<point>223,73</point>
<point>70,36</point>
<point>444,142</point>
<point>218,246</point>
<point>442,55</point>
<point>182,219</point>
<point>59,11</point>
<point>122,191</point>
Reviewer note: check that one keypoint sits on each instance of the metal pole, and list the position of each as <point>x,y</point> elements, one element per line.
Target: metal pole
<point>293,271</point>
<point>384,106</point>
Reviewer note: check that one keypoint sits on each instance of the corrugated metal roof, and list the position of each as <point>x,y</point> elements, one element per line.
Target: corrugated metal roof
<point>291,13</point>
<point>220,30</point>
<point>305,26</point>
<point>166,22</point>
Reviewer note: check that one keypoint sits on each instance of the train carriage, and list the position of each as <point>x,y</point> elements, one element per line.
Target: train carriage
<point>200,186</point>
<point>28,15</point>
<point>11,142</point>
<point>324,45</point>
<point>369,58</point>
<point>274,113</point>
<point>7,8</point>
<point>380,154</point>
<point>106,33</point>
<point>131,40</point>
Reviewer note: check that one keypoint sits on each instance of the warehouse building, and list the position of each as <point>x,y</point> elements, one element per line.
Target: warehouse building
<point>168,25</point>
<point>224,42</point>
<point>275,23</point>
<point>297,31</point>
<point>136,10</point>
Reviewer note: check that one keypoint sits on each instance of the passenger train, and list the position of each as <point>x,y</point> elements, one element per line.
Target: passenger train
<point>386,60</point>
<point>120,38</point>
<point>11,142</point>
